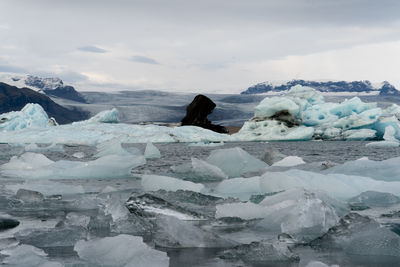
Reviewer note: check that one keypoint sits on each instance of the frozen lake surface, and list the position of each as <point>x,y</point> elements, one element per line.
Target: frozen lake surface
<point>189,227</point>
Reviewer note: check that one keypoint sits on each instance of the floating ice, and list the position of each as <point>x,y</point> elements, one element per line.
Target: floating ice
<point>242,188</point>
<point>174,233</point>
<point>151,151</point>
<point>264,251</point>
<point>289,162</point>
<point>33,166</point>
<point>31,116</point>
<point>336,185</point>
<point>356,234</point>
<point>41,149</point>
<point>389,139</point>
<point>111,147</point>
<point>121,250</point>
<point>374,199</point>
<point>47,187</point>
<point>301,213</point>
<point>29,195</point>
<point>26,255</point>
<point>385,170</point>
<point>272,155</point>
<point>79,155</point>
<point>105,116</point>
<point>156,182</point>
<point>235,161</point>
<point>206,171</point>
<point>207,144</point>
<point>319,264</point>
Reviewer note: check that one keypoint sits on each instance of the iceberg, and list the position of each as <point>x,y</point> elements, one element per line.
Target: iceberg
<point>359,235</point>
<point>120,250</point>
<point>37,166</point>
<point>301,213</point>
<point>26,255</point>
<point>374,199</point>
<point>151,151</point>
<point>389,139</point>
<point>385,170</point>
<point>235,161</point>
<point>31,116</point>
<point>157,182</point>
<point>289,161</point>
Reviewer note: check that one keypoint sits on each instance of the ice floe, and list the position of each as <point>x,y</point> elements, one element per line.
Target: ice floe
<point>120,250</point>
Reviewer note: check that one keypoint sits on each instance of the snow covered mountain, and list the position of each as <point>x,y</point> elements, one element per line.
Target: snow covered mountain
<point>49,86</point>
<point>354,87</point>
<point>14,99</point>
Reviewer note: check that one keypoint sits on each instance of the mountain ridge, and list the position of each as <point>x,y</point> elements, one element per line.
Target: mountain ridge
<point>365,86</point>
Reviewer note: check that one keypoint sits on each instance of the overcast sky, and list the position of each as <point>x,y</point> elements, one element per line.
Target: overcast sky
<point>220,46</point>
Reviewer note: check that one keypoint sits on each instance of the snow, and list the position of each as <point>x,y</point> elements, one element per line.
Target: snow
<point>121,250</point>
<point>157,182</point>
<point>37,166</point>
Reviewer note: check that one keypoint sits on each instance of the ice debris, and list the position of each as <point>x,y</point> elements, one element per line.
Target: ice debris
<point>356,234</point>
<point>120,250</point>
<point>235,161</point>
<point>301,213</point>
<point>157,182</point>
<point>37,166</point>
<point>263,251</point>
<point>151,151</point>
<point>374,199</point>
<point>289,161</point>
<point>26,255</point>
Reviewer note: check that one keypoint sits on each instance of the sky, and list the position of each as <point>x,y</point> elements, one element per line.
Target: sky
<point>207,46</point>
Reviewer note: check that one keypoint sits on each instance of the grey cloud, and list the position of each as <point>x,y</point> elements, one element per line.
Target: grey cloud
<point>10,68</point>
<point>143,59</point>
<point>92,49</point>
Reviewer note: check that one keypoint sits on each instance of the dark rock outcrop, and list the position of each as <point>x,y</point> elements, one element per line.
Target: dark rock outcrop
<point>197,112</point>
<point>14,99</point>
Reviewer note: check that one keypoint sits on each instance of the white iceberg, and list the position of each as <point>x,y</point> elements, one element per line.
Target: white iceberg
<point>389,139</point>
<point>151,151</point>
<point>157,182</point>
<point>121,250</point>
<point>301,213</point>
<point>37,166</point>
<point>235,161</point>
<point>31,116</point>
<point>289,161</point>
<point>27,255</point>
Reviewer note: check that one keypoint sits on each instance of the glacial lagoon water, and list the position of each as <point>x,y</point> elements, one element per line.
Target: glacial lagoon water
<point>95,208</point>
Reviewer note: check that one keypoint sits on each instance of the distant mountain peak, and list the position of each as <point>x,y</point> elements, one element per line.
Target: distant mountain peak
<point>326,86</point>
<point>53,86</point>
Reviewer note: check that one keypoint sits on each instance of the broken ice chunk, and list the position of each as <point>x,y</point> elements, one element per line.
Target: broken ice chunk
<point>235,161</point>
<point>29,195</point>
<point>157,182</point>
<point>207,171</point>
<point>151,151</point>
<point>272,155</point>
<point>263,251</point>
<point>26,255</point>
<point>32,165</point>
<point>121,250</point>
<point>289,161</point>
<point>7,223</point>
<point>356,234</point>
<point>174,233</point>
<point>374,199</point>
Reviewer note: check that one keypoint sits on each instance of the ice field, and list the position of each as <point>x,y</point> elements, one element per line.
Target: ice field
<point>104,193</point>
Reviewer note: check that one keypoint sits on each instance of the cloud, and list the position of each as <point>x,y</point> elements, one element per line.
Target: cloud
<point>92,49</point>
<point>10,68</point>
<point>145,60</point>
